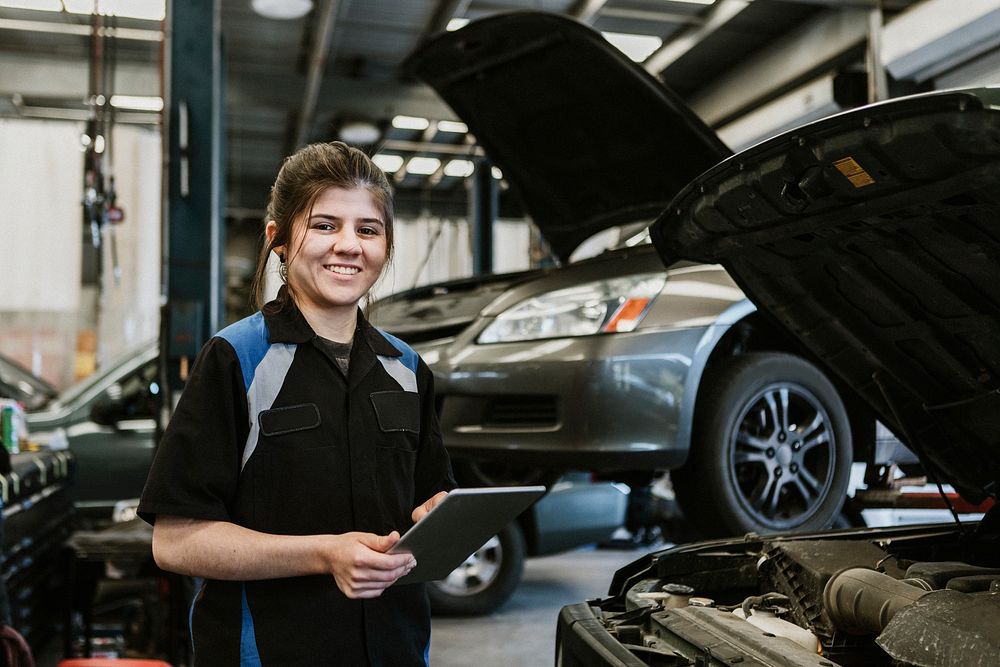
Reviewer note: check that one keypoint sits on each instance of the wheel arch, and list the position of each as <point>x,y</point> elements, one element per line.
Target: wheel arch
<point>742,329</point>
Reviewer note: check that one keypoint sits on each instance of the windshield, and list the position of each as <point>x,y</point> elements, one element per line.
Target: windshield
<point>107,369</point>
<point>615,238</point>
<point>19,384</point>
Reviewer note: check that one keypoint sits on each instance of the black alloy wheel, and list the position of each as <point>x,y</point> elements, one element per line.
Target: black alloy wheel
<point>771,449</point>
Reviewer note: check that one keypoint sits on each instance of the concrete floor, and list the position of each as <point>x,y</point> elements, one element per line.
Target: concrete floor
<point>522,633</point>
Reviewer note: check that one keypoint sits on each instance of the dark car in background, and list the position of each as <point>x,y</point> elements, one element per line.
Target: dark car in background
<point>19,384</point>
<point>873,237</point>
<point>614,364</point>
<point>108,421</point>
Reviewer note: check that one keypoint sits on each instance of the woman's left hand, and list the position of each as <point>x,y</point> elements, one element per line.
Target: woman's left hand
<point>421,511</point>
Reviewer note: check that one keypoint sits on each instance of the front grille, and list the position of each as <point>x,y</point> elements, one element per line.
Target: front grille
<point>524,411</point>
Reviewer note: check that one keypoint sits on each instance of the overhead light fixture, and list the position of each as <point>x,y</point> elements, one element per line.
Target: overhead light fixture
<point>497,174</point>
<point>282,10</point>
<point>410,123</point>
<point>149,10</point>
<point>359,132</point>
<point>38,5</point>
<point>423,165</point>
<point>459,168</point>
<point>455,24</point>
<point>452,126</point>
<point>388,163</point>
<point>137,102</point>
<point>636,47</point>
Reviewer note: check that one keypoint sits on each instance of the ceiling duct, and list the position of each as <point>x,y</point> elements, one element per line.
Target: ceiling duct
<point>939,35</point>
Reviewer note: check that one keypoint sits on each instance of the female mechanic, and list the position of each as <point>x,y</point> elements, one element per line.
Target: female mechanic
<point>304,443</point>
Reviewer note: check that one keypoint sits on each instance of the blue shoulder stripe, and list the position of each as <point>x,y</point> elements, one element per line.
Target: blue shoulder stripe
<point>249,338</point>
<point>409,356</point>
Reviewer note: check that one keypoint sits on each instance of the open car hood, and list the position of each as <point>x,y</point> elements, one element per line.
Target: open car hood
<point>874,237</point>
<point>586,137</point>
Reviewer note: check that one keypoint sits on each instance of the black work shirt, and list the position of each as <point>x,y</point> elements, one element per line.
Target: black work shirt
<point>270,435</point>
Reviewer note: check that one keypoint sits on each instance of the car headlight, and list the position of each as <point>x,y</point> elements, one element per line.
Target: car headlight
<point>604,306</point>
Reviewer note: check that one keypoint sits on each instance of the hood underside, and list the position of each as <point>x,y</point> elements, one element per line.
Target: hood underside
<point>874,237</point>
<point>586,137</point>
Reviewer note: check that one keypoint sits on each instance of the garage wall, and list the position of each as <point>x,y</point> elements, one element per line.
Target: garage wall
<point>129,312</point>
<point>43,308</point>
<point>41,177</point>
<point>430,250</point>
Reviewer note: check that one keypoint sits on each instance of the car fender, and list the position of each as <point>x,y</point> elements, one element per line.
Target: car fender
<point>703,352</point>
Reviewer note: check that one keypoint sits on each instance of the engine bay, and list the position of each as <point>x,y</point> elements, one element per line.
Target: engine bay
<point>918,596</point>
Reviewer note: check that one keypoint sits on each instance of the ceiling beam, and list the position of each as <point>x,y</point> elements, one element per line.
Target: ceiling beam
<point>675,47</point>
<point>60,76</point>
<point>340,95</point>
<point>586,11</point>
<point>938,35</point>
<point>787,60</point>
<point>443,14</point>
<point>431,148</point>
<point>321,50</point>
<point>82,29</point>
<point>652,16</point>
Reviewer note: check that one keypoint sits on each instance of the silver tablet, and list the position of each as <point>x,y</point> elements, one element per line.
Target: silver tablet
<point>459,525</point>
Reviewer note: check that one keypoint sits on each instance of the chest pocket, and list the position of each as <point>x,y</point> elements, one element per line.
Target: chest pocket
<point>291,419</point>
<point>397,411</point>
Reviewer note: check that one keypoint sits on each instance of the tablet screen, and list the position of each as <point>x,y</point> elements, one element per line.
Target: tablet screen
<point>459,525</point>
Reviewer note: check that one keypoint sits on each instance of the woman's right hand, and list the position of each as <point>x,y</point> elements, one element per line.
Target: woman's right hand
<point>360,565</point>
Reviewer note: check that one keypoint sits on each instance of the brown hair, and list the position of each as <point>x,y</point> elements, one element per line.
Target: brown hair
<point>305,175</point>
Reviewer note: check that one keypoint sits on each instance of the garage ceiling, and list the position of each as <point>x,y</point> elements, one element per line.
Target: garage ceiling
<point>353,50</point>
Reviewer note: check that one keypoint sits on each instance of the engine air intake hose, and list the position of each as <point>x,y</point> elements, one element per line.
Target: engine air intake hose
<point>860,601</point>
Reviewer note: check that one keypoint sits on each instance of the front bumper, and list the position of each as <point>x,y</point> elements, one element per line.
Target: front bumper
<point>604,402</point>
<point>581,641</point>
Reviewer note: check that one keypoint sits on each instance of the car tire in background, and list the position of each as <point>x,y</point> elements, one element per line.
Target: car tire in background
<point>485,580</point>
<point>771,448</point>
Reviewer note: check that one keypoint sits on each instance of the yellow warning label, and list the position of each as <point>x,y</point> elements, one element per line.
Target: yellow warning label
<point>854,172</point>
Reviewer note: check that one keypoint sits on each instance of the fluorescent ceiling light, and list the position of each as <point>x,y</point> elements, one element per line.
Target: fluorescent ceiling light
<point>452,126</point>
<point>497,174</point>
<point>636,47</point>
<point>410,123</point>
<point>40,5</point>
<point>388,163</point>
<point>150,10</point>
<point>282,10</point>
<point>137,102</point>
<point>459,168</point>
<point>359,132</point>
<point>423,165</point>
<point>455,24</point>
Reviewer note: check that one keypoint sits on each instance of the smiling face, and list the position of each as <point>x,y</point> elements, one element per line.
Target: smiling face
<point>336,253</point>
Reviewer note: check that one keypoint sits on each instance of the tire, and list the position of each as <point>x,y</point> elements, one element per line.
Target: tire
<point>485,581</point>
<point>747,470</point>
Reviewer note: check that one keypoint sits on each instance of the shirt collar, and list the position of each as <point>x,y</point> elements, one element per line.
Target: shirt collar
<point>286,324</point>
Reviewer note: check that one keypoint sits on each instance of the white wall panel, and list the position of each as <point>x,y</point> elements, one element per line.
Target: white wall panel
<point>129,306</point>
<point>41,300</point>
<point>41,184</point>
